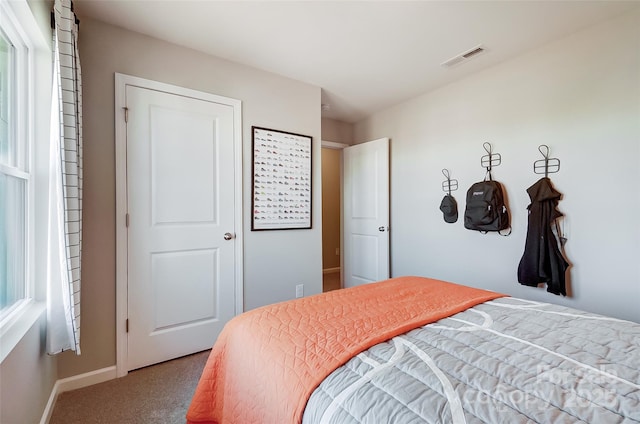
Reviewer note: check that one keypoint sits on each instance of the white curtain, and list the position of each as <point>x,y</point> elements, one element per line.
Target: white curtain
<point>65,187</point>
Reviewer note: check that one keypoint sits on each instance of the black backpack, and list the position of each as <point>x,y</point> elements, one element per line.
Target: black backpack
<point>486,210</point>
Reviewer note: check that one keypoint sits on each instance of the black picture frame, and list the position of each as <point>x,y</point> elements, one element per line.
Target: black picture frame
<point>281,174</point>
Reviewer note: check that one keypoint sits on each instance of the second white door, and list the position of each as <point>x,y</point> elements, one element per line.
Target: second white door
<point>180,197</point>
<point>366,212</point>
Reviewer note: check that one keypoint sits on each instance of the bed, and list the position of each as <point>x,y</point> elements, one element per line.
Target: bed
<point>419,350</point>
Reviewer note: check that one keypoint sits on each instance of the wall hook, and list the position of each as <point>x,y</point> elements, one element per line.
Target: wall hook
<point>547,165</point>
<point>491,159</point>
<point>449,185</point>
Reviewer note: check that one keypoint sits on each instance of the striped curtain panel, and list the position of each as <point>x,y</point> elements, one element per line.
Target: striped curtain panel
<point>65,190</point>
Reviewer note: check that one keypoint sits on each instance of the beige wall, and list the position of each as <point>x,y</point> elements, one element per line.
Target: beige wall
<point>274,261</point>
<point>27,377</point>
<point>337,131</point>
<point>331,207</point>
<point>580,96</point>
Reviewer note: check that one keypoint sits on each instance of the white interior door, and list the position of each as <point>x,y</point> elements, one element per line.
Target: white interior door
<point>180,198</point>
<point>366,212</point>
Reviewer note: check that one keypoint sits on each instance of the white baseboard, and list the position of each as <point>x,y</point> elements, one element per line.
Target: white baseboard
<point>73,383</point>
<point>330,270</point>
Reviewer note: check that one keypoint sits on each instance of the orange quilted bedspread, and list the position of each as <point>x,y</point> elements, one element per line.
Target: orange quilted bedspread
<point>267,362</point>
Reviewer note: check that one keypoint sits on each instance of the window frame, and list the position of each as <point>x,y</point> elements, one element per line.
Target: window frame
<point>19,165</point>
<point>33,76</point>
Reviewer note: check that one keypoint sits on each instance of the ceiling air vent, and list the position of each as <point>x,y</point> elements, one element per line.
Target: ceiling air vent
<point>462,57</point>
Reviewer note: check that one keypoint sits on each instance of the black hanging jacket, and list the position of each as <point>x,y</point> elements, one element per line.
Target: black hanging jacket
<point>542,261</point>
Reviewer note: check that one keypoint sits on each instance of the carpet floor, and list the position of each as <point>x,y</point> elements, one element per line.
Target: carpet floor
<point>159,394</point>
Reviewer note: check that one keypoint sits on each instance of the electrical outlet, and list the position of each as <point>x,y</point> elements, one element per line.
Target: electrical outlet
<point>299,290</point>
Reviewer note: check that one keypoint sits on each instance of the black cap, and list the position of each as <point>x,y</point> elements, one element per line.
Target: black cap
<point>449,209</point>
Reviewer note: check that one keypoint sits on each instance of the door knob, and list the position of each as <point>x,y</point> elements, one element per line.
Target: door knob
<point>382,229</point>
<point>228,236</point>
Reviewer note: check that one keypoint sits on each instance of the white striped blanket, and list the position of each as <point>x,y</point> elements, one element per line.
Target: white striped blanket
<point>504,361</point>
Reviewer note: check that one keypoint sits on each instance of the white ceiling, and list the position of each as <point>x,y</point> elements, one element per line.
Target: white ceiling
<point>365,55</point>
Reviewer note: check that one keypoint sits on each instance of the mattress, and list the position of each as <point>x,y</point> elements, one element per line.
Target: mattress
<point>266,362</point>
<point>418,350</point>
<point>503,361</point>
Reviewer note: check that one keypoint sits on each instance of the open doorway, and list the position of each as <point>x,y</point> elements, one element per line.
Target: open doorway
<point>331,216</point>
<point>364,219</point>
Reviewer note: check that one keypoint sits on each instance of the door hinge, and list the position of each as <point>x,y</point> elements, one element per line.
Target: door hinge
<point>126,114</point>
<point>127,324</point>
<point>126,220</point>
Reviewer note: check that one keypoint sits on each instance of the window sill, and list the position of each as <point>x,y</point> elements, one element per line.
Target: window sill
<point>17,326</point>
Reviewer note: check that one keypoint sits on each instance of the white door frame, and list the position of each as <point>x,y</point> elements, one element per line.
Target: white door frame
<point>121,81</point>
<point>334,145</point>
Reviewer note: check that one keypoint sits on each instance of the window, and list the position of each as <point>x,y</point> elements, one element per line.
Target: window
<point>14,173</point>
<point>6,65</point>
<point>25,75</point>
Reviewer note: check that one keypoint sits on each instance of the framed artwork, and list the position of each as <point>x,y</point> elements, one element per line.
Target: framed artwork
<point>281,174</point>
